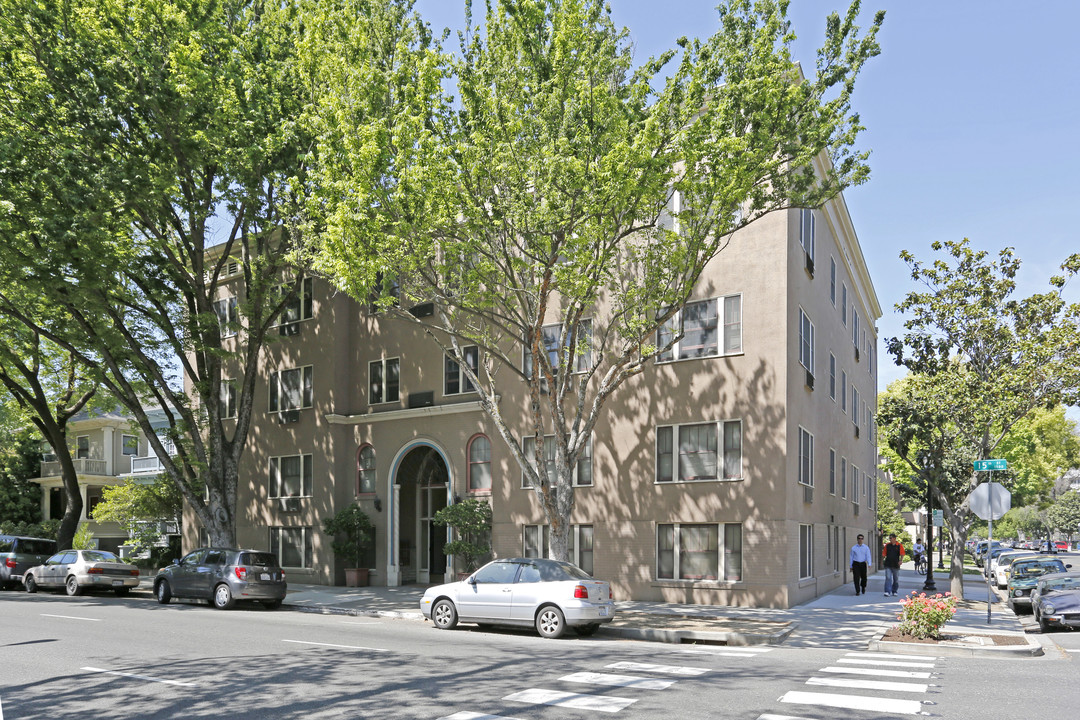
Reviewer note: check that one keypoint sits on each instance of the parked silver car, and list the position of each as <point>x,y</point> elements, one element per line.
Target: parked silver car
<point>546,594</point>
<point>79,570</point>
<point>222,576</point>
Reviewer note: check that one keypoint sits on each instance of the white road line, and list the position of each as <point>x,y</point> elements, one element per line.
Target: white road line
<point>598,703</point>
<point>884,663</point>
<point>913,674</point>
<point>886,656</point>
<point>771,716</point>
<point>371,622</point>
<point>467,715</point>
<point>855,702</point>
<point>344,647</point>
<point>71,617</point>
<point>629,681</point>
<point>648,667</point>
<point>868,684</point>
<point>139,677</point>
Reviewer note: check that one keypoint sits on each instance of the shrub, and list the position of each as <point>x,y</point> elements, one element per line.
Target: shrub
<point>924,616</point>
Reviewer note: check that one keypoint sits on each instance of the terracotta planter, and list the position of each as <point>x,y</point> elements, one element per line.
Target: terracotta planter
<point>356,577</point>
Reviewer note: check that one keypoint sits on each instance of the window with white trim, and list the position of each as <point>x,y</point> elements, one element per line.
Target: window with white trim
<point>806,342</point>
<point>292,545</point>
<point>855,405</point>
<point>456,382</point>
<point>832,281</point>
<point>806,457</point>
<point>227,315</point>
<point>856,484</point>
<point>696,457</point>
<point>302,307</point>
<point>832,471</point>
<point>534,541</point>
<point>290,476</point>
<point>836,544</point>
<point>582,470</point>
<point>581,547</point>
<point>807,229</point>
<point>843,304</point>
<point>582,348</point>
<point>479,460</point>
<point>832,376</point>
<point>384,381</point>
<point>806,552</point>
<point>82,447</point>
<point>227,399</point>
<point>699,551</point>
<point>854,326</point>
<point>843,478</point>
<point>291,389</point>
<point>129,445</point>
<point>365,470</point>
<point>843,391</point>
<point>702,333</point>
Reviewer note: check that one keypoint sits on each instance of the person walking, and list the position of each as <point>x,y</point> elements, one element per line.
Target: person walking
<point>860,561</point>
<point>893,553</point>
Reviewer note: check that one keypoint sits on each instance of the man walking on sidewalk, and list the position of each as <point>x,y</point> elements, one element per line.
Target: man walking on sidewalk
<point>860,561</point>
<point>893,552</point>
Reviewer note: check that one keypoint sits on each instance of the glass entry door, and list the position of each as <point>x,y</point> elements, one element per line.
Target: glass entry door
<point>430,538</point>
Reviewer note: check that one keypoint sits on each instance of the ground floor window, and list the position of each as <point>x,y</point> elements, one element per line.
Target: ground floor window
<point>292,546</point>
<point>806,551</point>
<point>699,552</point>
<point>534,541</point>
<point>581,547</point>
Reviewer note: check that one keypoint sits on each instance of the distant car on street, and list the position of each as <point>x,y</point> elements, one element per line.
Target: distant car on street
<point>1004,562</point>
<point>529,592</point>
<point>1024,575</point>
<point>223,576</point>
<point>1055,602</point>
<point>80,570</point>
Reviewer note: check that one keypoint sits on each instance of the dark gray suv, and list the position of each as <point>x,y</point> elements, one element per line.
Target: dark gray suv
<point>222,576</point>
<point>18,554</point>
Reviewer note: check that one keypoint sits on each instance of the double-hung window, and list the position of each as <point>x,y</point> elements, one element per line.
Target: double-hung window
<point>843,304</point>
<point>292,545</point>
<point>290,476</point>
<point>832,281</point>
<point>806,235</point>
<point>581,340</point>
<point>383,380</point>
<point>855,328</point>
<point>365,470</point>
<point>832,471</point>
<point>806,457</point>
<point>581,547</point>
<point>806,342</point>
<point>689,453</point>
<point>856,484</point>
<point>534,541</point>
<point>855,405</point>
<point>291,389</point>
<point>582,471</point>
<point>455,381</point>
<point>806,551</point>
<point>479,463</point>
<point>227,399</point>
<point>843,478</point>
<point>298,308</point>
<point>699,551</point>
<point>82,447</point>
<point>226,312</point>
<point>832,376</point>
<point>129,444</point>
<point>703,335</point>
<point>843,391</point>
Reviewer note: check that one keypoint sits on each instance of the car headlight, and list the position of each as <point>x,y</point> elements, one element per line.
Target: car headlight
<point>1018,592</point>
<point>1048,609</point>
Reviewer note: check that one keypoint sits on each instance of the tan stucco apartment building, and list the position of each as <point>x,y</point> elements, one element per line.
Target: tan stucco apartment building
<point>736,472</point>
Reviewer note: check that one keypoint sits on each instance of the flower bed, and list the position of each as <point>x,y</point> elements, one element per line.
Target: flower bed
<point>922,617</point>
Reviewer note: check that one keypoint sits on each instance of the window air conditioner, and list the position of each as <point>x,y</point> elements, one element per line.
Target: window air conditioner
<point>856,353</point>
<point>289,328</point>
<point>286,417</point>
<point>289,504</point>
<point>856,510</point>
<point>809,264</point>
<point>808,494</point>
<point>809,379</point>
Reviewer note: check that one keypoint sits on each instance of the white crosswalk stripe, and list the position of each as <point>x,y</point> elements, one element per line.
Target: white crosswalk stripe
<point>884,663</point>
<point>855,702</point>
<point>609,680</point>
<point>666,669</point>
<point>869,684</point>
<point>598,703</point>
<point>913,674</point>
<point>466,715</point>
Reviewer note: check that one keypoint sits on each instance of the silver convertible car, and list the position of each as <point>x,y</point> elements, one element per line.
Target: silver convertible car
<point>78,570</point>
<point>529,592</point>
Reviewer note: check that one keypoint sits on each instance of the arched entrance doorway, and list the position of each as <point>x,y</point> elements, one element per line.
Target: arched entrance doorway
<point>421,488</point>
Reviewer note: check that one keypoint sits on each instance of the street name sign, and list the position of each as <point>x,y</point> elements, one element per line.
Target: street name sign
<point>984,465</point>
<point>990,501</point>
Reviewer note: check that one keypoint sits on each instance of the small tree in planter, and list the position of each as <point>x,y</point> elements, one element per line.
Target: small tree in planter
<point>352,531</point>
<point>471,521</point>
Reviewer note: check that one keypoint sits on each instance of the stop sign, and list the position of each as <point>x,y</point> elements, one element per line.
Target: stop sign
<point>990,501</point>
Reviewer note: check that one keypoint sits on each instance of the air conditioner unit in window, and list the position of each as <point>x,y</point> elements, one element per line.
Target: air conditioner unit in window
<point>857,353</point>
<point>856,431</point>
<point>423,310</point>
<point>809,379</point>
<point>809,264</point>
<point>856,511</point>
<point>421,399</point>
<point>808,494</point>
<point>289,329</point>
<point>286,417</point>
<point>289,504</point>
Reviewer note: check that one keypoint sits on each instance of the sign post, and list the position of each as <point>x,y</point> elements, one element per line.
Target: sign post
<point>990,501</point>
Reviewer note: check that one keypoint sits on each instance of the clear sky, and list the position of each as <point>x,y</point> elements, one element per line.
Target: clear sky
<point>971,113</point>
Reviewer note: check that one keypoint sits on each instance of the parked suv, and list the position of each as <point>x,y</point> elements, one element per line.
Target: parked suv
<point>222,576</point>
<point>18,554</point>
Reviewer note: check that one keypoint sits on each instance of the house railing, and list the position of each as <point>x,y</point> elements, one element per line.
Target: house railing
<point>151,464</point>
<point>83,466</point>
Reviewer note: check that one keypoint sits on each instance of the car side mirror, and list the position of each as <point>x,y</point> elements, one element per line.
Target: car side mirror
<point>175,561</point>
<point>472,579</point>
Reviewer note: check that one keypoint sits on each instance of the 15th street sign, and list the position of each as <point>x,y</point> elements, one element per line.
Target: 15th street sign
<point>984,465</point>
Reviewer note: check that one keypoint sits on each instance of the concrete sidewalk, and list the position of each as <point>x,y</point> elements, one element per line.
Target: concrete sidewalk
<point>837,619</point>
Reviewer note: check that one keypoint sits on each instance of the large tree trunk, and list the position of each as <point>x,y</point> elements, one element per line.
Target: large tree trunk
<point>959,543</point>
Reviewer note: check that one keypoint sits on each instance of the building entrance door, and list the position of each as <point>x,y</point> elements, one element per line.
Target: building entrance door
<point>430,538</point>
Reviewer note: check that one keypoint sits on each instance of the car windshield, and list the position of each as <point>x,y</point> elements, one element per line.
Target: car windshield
<point>1042,568</point>
<point>98,556</point>
<point>1065,583</point>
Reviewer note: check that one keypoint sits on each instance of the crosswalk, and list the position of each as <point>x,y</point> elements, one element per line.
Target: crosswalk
<point>630,679</point>
<point>874,682</point>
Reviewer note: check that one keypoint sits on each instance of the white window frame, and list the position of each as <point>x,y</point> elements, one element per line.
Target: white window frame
<point>452,370</point>
<point>806,457</point>
<point>123,445</point>
<point>832,281</point>
<point>385,387</point>
<point>277,484</point>
<point>582,360</point>
<point>855,484</point>
<point>306,548</point>
<point>832,376</point>
<point>720,435</point>
<point>305,303</point>
<point>366,475</point>
<point>277,389</point>
<point>843,391</point>
<point>843,304</point>
<point>79,450</point>
<point>228,316</point>
<point>549,451</point>
<point>806,341</point>
<point>843,478</point>
<point>542,539</point>
<point>832,471</point>
<point>724,564</point>
<point>806,551</point>
<point>576,551</point>
<point>227,398</point>
<point>855,405</point>
<point>470,462</point>
<point>807,232</point>
<point>728,333</point>
<point>854,326</point>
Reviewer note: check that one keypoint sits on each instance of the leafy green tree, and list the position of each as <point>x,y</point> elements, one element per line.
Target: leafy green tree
<point>889,515</point>
<point>980,362</point>
<point>1064,514</point>
<point>151,155</point>
<point>560,182</point>
<point>139,506</point>
<point>20,459</point>
<point>1040,448</point>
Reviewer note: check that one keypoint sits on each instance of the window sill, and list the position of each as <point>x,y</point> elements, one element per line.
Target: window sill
<point>706,584</point>
<point>698,482</point>
<point>672,361</point>
<point>806,582</point>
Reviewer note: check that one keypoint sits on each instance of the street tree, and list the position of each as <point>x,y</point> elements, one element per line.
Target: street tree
<point>980,362</point>
<point>151,156</point>
<point>20,460</point>
<point>1064,514</point>
<point>559,208</point>
<point>139,507</point>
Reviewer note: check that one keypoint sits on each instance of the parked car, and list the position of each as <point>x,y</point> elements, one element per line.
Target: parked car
<point>80,570</point>
<point>223,576</point>
<point>991,555</point>
<point>1055,602</point>
<point>1024,574</point>
<point>546,594</point>
<point>1004,563</point>
<point>18,553</point>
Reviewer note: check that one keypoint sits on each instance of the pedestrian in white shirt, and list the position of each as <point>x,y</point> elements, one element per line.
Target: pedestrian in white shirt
<point>860,561</point>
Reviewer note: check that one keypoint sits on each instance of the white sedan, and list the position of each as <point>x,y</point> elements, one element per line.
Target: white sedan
<point>529,592</point>
<point>78,570</point>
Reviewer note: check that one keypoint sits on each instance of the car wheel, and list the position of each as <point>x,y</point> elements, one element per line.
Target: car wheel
<point>271,604</point>
<point>121,592</point>
<point>163,592</point>
<point>30,584</point>
<point>550,622</point>
<point>444,615</point>
<point>72,586</point>
<point>587,630</point>
<point>223,597</point>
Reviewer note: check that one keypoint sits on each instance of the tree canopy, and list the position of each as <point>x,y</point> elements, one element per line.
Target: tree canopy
<point>556,203</point>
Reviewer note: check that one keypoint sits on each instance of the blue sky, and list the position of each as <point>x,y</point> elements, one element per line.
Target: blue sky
<point>971,114</point>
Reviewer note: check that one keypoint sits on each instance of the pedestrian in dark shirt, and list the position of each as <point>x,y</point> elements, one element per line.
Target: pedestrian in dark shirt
<point>893,552</point>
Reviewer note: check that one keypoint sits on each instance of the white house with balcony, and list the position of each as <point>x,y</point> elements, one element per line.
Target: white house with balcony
<point>106,448</point>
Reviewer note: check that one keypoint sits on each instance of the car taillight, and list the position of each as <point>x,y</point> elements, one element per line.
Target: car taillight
<point>581,592</point>
<point>241,572</point>
<point>135,572</point>
<point>10,562</point>
<point>95,571</point>
<point>610,595</point>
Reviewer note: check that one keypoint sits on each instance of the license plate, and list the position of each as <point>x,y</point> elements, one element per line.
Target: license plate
<point>264,576</point>
<point>117,583</point>
<point>603,612</point>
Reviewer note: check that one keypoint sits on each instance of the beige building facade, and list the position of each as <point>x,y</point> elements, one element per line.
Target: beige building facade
<point>736,471</point>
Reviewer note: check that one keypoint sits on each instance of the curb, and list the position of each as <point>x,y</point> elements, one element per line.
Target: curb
<point>1032,648</point>
<point>317,610</point>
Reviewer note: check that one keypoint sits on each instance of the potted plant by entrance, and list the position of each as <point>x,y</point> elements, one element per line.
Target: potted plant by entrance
<point>471,521</point>
<point>351,530</point>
